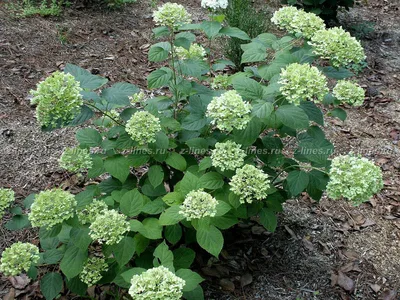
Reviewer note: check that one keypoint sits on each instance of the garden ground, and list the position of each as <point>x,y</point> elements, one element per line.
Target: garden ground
<point>325,250</point>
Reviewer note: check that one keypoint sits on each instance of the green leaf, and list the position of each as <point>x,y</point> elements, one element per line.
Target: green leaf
<point>97,167</point>
<point>173,233</point>
<point>189,183</point>
<point>234,32</point>
<point>52,256</point>
<point>151,229</point>
<point>154,207</point>
<point>127,275</point>
<point>171,216</point>
<point>131,203</point>
<point>210,239</point>
<point>254,54</point>
<point>159,52</point>
<point>173,198</point>
<point>28,201</point>
<point>124,250</point>
<point>85,78</point>
<point>268,219</point>
<point>222,208</point>
<point>262,109</point>
<point>176,161</point>
<point>183,258</point>
<point>51,285</point>
<point>164,255</point>
<point>156,175</point>
<point>292,116</point>
<point>337,73</point>
<point>194,122</point>
<point>297,181</point>
<point>119,93</point>
<point>80,238</point>
<point>159,78</point>
<point>73,261</point>
<point>313,112</point>
<point>84,115</point>
<point>249,135</point>
<point>196,294</point>
<point>76,286</point>
<point>211,181</point>
<point>184,39</point>
<point>18,222</point>
<point>118,167</point>
<point>89,137</point>
<point>193,67</point>
<point>211,28</point>
<point>338,113</point>
<point>205,163</point>
<point>248,88</point>
<point>192,279</point>
<point>224,222</point>
<point>141,243</point>
<point>317,184</point>
<point>138,159</point>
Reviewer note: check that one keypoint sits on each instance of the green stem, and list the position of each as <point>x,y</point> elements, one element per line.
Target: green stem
<point>104,113</point>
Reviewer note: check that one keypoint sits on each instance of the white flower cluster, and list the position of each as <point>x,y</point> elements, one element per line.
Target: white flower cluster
<point>298,21</point>
<point>58,99</point>
<point>338,46</point>
<point>156,284</point>
<point>18,258</point>
<point>92,270</point>
<point>214,4</point>
<point>250,183</point>
<point>142,127</point>
<point>109,227</point>
<point>6,198</point>
<point>354,178</point>
<point>220,82</point>
<point>227,156</point>
<point>198,204</point>
<point>90,212</point>
<point>171,15</point>
<point>195,51</point>
<point>52,207</point>
<point>349,92</point>
<point>229,111</point>
<point>302,82</point>
<point>75,160</point>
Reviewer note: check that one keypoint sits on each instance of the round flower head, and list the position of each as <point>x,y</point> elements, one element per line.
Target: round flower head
<point>298,21</point>
<point>92,270</point>
<point>58,99</point>
<point>18,258</point>
<point>52,207</point>
<point>142,127</point>
<point>75,160</point>
<point>6,198</point>
<point>90,212</point>
<point>214,4</point>
<point>354,178</point>
<point>302,82</point>
<point>156,284</point>
<point>197,205</point>
<point>227,156</point>
<point>349,92</point>
<point>229,111</point>
<point>220,82</point>
<point>338,46</point>
<point>195,51</point>
<point>171,15</point>
<point>250,183</point>
<point>109,227</point>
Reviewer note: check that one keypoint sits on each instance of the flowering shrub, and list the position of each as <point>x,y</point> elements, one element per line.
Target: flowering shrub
<point>195,51</point>
<point>6,198</point>
<point>185,166</point>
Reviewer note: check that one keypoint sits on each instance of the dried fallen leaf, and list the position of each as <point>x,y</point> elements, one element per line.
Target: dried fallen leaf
<point>350,254</point>
<point>20,282</point>
<point>246,279</point>
<point>290,231</point>
<point>389,295</point>
<point>345,282</point>
<point>10,295</point>
<point>375,287</point>
<point>307,244</point>
<point>368,222</point>
<point>227,285</point>
<point>210,272</point>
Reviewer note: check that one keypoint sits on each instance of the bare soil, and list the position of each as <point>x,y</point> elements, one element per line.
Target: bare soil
<point>325,250</point>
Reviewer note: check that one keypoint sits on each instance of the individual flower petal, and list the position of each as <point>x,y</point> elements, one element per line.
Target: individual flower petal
<point>18,258</point>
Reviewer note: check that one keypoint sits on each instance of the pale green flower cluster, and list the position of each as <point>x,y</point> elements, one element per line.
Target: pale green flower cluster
<point>229,111</point>
<point>6,198</point>
<point>349,92</point>
<point>250,183</point>
<point>92,270</point>
<point>137,98</point>
<point>338,46</point>
<point>302,82</point>
<point>355,178</point>
<point>58,99</point>
<point>171,15</point>
<point>214,4</point>
<point>109,227</point>
<point>227,156</point>
<point>198,204</point>
<point>18,258</point>
<point>142,127</point>
<point>195,51</point>
<point>298,21</point>
<point>52,207</point>
<point>156,284</point>
<point>75,160</point>
<point>220,82</point>
<point>90,212</point>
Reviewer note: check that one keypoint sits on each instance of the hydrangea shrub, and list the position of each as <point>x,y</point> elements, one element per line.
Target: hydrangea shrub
<point>191,163</point>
